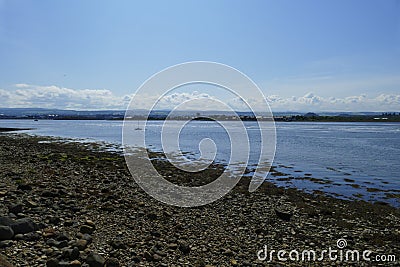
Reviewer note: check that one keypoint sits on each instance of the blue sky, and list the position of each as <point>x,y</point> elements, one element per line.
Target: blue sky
<point>292,49</point>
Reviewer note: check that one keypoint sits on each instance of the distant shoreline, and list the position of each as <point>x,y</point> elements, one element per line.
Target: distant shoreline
<point>283,119</point>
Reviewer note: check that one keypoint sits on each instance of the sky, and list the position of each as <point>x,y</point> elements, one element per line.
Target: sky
<point>304,55</point>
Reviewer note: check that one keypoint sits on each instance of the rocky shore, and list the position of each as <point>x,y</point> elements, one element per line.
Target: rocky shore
<point>74,204</point>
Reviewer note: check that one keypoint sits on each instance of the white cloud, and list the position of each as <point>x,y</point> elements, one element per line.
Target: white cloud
<point>58,97</point>
<point>25,95</point>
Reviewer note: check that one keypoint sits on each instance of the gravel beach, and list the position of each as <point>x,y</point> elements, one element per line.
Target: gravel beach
<point>75,204</point>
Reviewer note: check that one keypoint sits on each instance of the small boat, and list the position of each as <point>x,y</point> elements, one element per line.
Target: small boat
<point>36,120</point>
<point>138,128</point>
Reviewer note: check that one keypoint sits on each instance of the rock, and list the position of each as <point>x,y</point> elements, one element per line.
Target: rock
<point>88,238</point>
<point>6,244</point>
<point>52,262</point>
<point>75,263</point>
<point>23,226</point>
<point>173,246</point>
<point>152,216</point>
<point>15,208</point>
<point>24,187</point>
<point>68,223</point>
<point>148,256</point>
<point>112,262</point>
<point>6,220</point>
<point>86,229</point>
<point>283,215</point>
<point>95,260</point>
<point>49,232</point>
<point>155,233</point>
<point>52,243</point>
<point>81,244</point>
<point>62,244</point>
<point>118,244</point>
<point>90,223</point>
<point>228,252</point>
<point>49,194</point>
<point>32,236</point>
<point>63,264</point>
<point>6,233</point>
<point>31,204</point>
<point>19,237</point>
<point>157,257</point>
<point>63,236</point>
<point>74,255</point>
<point>184,247</point>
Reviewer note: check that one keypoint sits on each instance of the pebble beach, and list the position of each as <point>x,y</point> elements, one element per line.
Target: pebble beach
<point>74,204</point>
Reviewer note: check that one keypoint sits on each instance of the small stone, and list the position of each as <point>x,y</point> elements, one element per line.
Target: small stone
<point>24,187</point>
<point>90,223</point>
<point>118,244</point>
<point>95,260</point>
<point>157,257</point>
<point>173,246</point>
<point>63,236</point>
<point>6,243</point>
<point>68,223</point>
<point>112,262</point>
<point>283,215</point>
<point>49,232</point>
<point>234,262</point>
<point>51,242</point>
<point>81,244</point>
<point>74,254</point>
<point>63,264</point>
<point>62,244</point>
<point>147,256</point>
<point>6,233</point>
<point>86,229</point>
<point>31,204</point>
<point>19,237</point>
<point>184,247</point>
<point>228,252</point>
<point>33,236</point>
<point>152,216</point>
<point>88,238</point>
<point>15,208</point>
<point>52,262</point>
<point>49,194</point>
<point>75,263</point>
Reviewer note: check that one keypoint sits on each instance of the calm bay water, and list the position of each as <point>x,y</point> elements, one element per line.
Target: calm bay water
<point>350,160</point>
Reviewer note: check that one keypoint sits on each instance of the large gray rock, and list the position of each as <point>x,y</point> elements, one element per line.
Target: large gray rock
<point>23,226</point>
<point>95,260</point>
<point>6,233</point>
<point>6,220</point>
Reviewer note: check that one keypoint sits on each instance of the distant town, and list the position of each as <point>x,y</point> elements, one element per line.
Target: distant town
<point>56,114</point>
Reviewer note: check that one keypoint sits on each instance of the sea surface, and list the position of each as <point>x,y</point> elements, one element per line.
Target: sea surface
<point>347,159</point>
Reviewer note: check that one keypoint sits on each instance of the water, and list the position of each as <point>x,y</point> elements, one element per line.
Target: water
<point>348,160</point>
